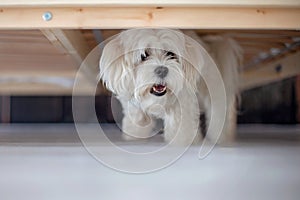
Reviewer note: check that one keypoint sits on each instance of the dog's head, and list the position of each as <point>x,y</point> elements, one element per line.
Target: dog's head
<point>150,64</point>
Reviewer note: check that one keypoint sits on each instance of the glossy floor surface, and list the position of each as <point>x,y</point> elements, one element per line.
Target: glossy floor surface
<point>40,162</point>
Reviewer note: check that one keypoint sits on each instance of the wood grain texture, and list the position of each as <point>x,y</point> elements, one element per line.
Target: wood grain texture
<point>172,17</point>
<point>70,3</point>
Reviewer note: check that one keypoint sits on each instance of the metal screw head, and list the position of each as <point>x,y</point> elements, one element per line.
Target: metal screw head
<point>47,16</point>
<point>278,68</point>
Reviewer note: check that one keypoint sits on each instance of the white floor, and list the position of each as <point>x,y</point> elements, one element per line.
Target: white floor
<point>49,162</point>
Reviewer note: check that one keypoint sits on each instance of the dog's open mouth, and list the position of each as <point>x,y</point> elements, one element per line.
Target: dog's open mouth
<point>158,89</point>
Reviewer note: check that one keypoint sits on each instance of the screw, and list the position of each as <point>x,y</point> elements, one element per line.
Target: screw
<point>47,16</point>
<point>278,68</point>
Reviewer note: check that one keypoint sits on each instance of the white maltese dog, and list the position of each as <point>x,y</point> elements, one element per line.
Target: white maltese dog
<point>156,73</point>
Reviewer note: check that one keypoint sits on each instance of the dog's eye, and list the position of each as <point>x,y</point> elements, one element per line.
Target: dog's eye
<point>171,55</point>
<point>144,56</point>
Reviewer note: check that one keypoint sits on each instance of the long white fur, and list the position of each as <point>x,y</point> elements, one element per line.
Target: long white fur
<point>228,56</point>
<point>123,73</point>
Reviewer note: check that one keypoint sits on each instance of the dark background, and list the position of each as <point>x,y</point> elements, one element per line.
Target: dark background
<point>274,103</point>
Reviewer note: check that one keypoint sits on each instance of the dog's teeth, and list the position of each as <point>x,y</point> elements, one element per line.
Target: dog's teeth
<point>158,90</point>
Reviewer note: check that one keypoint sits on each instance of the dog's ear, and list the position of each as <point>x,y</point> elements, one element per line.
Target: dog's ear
<point>193,61</point>
<point>114,72</point>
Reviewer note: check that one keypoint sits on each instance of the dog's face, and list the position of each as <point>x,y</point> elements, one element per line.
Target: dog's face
<point>157,72</point>
<point>147,66</point>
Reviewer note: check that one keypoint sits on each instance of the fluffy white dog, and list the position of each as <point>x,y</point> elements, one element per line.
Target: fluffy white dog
<point>156,73</point>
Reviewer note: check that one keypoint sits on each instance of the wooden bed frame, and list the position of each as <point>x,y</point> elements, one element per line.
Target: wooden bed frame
<point>115,14</point>
<point>44,38</point>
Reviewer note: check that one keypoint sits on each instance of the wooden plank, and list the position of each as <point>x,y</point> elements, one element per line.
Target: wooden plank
<point>42,82</point>
<point>261,46</point>
<point>22,36</point>
<point>41,89</point>
<point>71,42</point>
<point>27,48</point>
<point>275,71</point>
<point>172,17</point>
<point>35,61</point>
<point>268,40</point>
<point>38,3</point>
<point>252,33</point>
<point>47,67</point>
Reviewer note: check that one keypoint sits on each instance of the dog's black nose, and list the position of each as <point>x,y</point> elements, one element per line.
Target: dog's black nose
<point>161,71</point>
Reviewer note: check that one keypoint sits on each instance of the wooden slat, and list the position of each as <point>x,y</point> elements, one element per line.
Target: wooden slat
<point>22,36</point>
<point>262,46</point>
<point>268,40</point>
<point>22,48</point>
<point>41,82</point>
<point>71,42</point>
<point>38,3</point>
<point>271,72</point>
<point>35,62</point>
<point>41,89</point>
<point>175,17</point>
<point>30,50</point>
<point>36,67</point>
<point>251,33</point>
